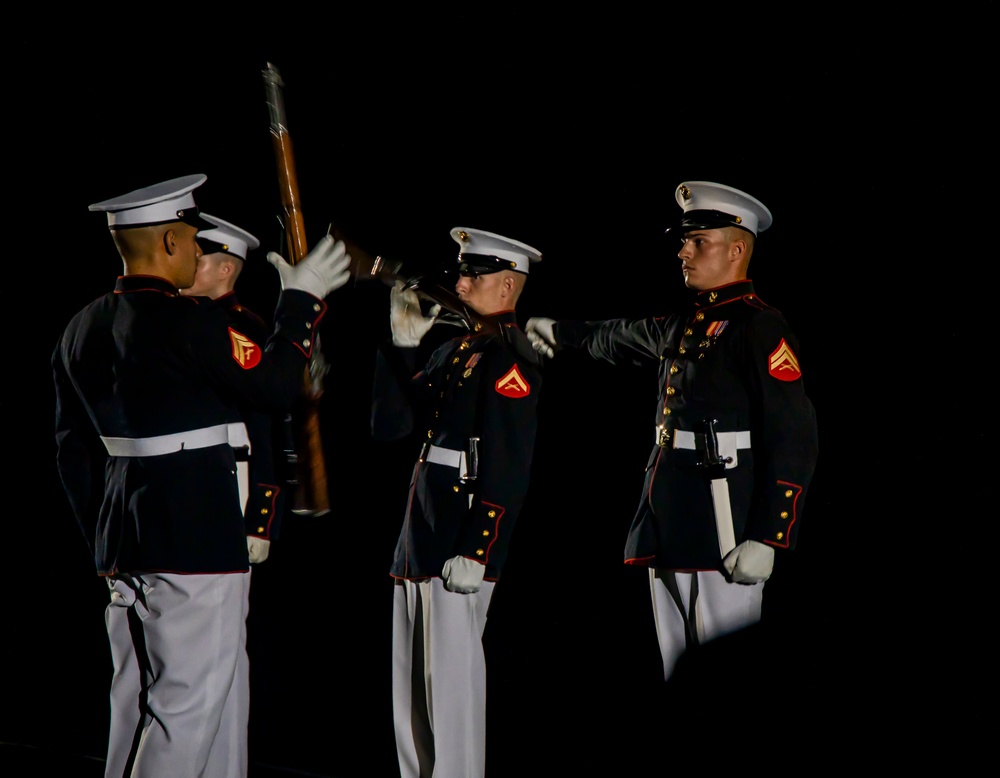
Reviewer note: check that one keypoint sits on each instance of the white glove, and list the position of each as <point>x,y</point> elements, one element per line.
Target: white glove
<point>322,270</point>
<point>463,575</point>
<point>408,322</point>
<point>258,548</point>
<point>750,562</point>
<point>541,335</point>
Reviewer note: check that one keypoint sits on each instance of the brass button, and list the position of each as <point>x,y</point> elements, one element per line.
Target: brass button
<point>788,492</point>
<point>263,511</point>
<point>309,325</point>
<point>455,361</point>
<point>666,411</point>
<point>486,533</point>
<point>673,369</point>
<point>784,514</point>
<point>317,307</point>
<point>260,530</point>
<point>454,488</point>
<point>780,535</point>
<point>306,343</point>
<point>479,552</point>
<point>682,350</point>
<point>268,492</point>
<point>430,433</point>
<point>492,514</point>
<point>671,391</point>
<point>689,331</point>
<point>699,316</point>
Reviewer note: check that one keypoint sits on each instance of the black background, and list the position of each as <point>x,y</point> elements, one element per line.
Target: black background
<point>570,135</point>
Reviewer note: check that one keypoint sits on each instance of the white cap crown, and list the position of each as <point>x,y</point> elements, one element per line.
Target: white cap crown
<point>167,201</point>
<point>708,205</point>
<point>230,238</point>
<point>479,243</point>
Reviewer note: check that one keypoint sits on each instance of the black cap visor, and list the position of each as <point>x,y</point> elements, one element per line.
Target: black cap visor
<point>192,216</point>
<point>705,220</point>
<point>482,264</point>
<point>214,247</point>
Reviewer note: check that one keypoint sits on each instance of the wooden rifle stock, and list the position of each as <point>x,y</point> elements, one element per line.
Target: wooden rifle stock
<point>311,497</point>
<point>366,267</point>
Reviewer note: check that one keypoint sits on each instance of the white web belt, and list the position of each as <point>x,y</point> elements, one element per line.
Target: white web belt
<point>234,434</point>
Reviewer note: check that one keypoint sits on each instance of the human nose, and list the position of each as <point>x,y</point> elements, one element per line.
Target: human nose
<point>462,284</point>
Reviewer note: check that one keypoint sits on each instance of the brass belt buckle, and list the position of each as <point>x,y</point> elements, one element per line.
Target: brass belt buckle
<point>663,436</point>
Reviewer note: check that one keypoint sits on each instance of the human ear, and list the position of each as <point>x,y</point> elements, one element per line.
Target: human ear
<point>170,241</point>
<point>737,249</point>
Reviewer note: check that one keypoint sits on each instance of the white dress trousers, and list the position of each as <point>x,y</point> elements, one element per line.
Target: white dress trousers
<point>439,679</point>
<point>698,607</point>
<point>180,689</point>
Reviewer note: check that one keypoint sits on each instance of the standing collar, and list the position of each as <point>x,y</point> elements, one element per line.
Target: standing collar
<point>143,283</point>
<point>724,293</point>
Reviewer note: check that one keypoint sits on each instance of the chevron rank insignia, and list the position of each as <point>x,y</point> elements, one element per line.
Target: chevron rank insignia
<point>245,351</point>
<point>783,364</point>
<point>513,384</point>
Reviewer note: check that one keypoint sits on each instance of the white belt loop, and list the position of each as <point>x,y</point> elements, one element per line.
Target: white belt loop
<point>729,443</point>
<point>445,456</point>
<point>167,444</point>
<point>238,435</point>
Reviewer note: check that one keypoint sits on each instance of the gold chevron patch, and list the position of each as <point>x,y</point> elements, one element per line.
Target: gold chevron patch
<point>783,364</point>
<point>513,384</point>
<point>245,351</point>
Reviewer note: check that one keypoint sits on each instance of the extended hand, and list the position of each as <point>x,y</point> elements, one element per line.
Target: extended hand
<point>750,562</point>
<point>541,335</point>
<point>321,271</point>
<point>463,575</point>
<point>408,322</point>
<point>258,548</point>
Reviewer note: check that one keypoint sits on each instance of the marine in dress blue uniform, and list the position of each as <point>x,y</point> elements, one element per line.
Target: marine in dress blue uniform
<point>471,407</point>
<point>267,438</point>
<point>146,383</point>
<point>735,438</point>
<point>253,437</point>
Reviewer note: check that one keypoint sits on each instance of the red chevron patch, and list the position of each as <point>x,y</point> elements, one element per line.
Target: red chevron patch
<point>513,384</point>
<point>245,351</point>
<point>783,364</point>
